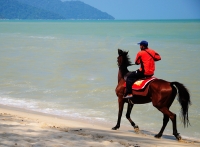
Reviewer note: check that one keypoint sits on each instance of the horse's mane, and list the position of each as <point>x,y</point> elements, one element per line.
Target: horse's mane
<point>126,59</point>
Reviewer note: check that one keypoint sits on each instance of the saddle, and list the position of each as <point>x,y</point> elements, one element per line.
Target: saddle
<point>141,86</point>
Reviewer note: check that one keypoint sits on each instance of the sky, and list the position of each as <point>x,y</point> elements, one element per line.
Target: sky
<point>148,9</point>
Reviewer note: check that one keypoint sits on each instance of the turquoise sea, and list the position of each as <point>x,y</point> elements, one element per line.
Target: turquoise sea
<point>69,68</point>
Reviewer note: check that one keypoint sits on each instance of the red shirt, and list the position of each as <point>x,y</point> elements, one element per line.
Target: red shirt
<point>146,58</point>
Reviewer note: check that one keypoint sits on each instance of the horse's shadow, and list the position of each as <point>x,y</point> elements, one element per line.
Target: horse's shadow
<point>169,137</point>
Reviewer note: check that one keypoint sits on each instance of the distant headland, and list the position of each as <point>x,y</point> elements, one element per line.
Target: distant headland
<point>50,9</point>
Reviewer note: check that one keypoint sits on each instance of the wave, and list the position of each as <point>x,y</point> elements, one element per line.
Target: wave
<point>49,108</point>
<point>42,37</point>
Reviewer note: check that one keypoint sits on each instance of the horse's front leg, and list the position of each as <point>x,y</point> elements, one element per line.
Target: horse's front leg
<point>121,107</point>
<point>128,113</point>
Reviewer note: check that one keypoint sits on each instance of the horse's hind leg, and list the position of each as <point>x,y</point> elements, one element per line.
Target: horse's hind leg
<point>172,116</point>
<point>165,121</point>
<point>129,109</point>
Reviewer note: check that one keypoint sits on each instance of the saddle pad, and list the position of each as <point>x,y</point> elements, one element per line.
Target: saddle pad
<point>141,83</point>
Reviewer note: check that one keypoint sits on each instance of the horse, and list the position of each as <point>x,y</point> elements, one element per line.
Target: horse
<point>161,93</point>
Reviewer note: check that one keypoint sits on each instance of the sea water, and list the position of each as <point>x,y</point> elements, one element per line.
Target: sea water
<point>69,68</point>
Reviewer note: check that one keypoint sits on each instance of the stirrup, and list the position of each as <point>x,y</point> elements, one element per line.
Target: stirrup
<point>130,101</point>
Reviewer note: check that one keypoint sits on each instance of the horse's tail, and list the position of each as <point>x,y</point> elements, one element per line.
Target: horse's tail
<point>184,100</point>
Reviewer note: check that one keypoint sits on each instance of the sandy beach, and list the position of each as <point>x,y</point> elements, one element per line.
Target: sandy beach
<point>30,129</point>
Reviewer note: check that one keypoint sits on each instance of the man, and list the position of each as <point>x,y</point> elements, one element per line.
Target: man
<point>146,58</point>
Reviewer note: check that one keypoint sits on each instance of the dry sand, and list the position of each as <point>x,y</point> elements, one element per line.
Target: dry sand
<point>30,129</point>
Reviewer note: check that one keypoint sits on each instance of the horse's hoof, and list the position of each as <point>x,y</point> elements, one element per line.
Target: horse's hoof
<point>115,128</point>
<point>158,136</point>
<point>178,137</point>
<point>136,128</point>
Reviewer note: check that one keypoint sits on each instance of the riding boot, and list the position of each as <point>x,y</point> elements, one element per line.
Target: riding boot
<point>128,96</point>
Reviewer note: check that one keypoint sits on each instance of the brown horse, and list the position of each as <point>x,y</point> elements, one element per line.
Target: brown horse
<point>161,93</point>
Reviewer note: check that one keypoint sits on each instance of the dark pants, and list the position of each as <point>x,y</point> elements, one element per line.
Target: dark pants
<point>132,78</point>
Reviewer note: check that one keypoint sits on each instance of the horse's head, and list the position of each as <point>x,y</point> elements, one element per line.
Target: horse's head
<point>123,59</point>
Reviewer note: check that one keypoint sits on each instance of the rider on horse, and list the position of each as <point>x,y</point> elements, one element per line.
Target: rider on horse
<point>146,58</point>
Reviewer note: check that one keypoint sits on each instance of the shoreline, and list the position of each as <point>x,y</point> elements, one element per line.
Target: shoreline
<point>26,128</point>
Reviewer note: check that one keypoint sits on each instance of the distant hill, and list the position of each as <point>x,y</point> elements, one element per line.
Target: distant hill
<point>12,9</point>
<point>49,9</point>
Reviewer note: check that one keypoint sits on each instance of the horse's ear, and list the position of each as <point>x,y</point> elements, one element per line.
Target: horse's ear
<point>120,52</point>
<point>127,53</point>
